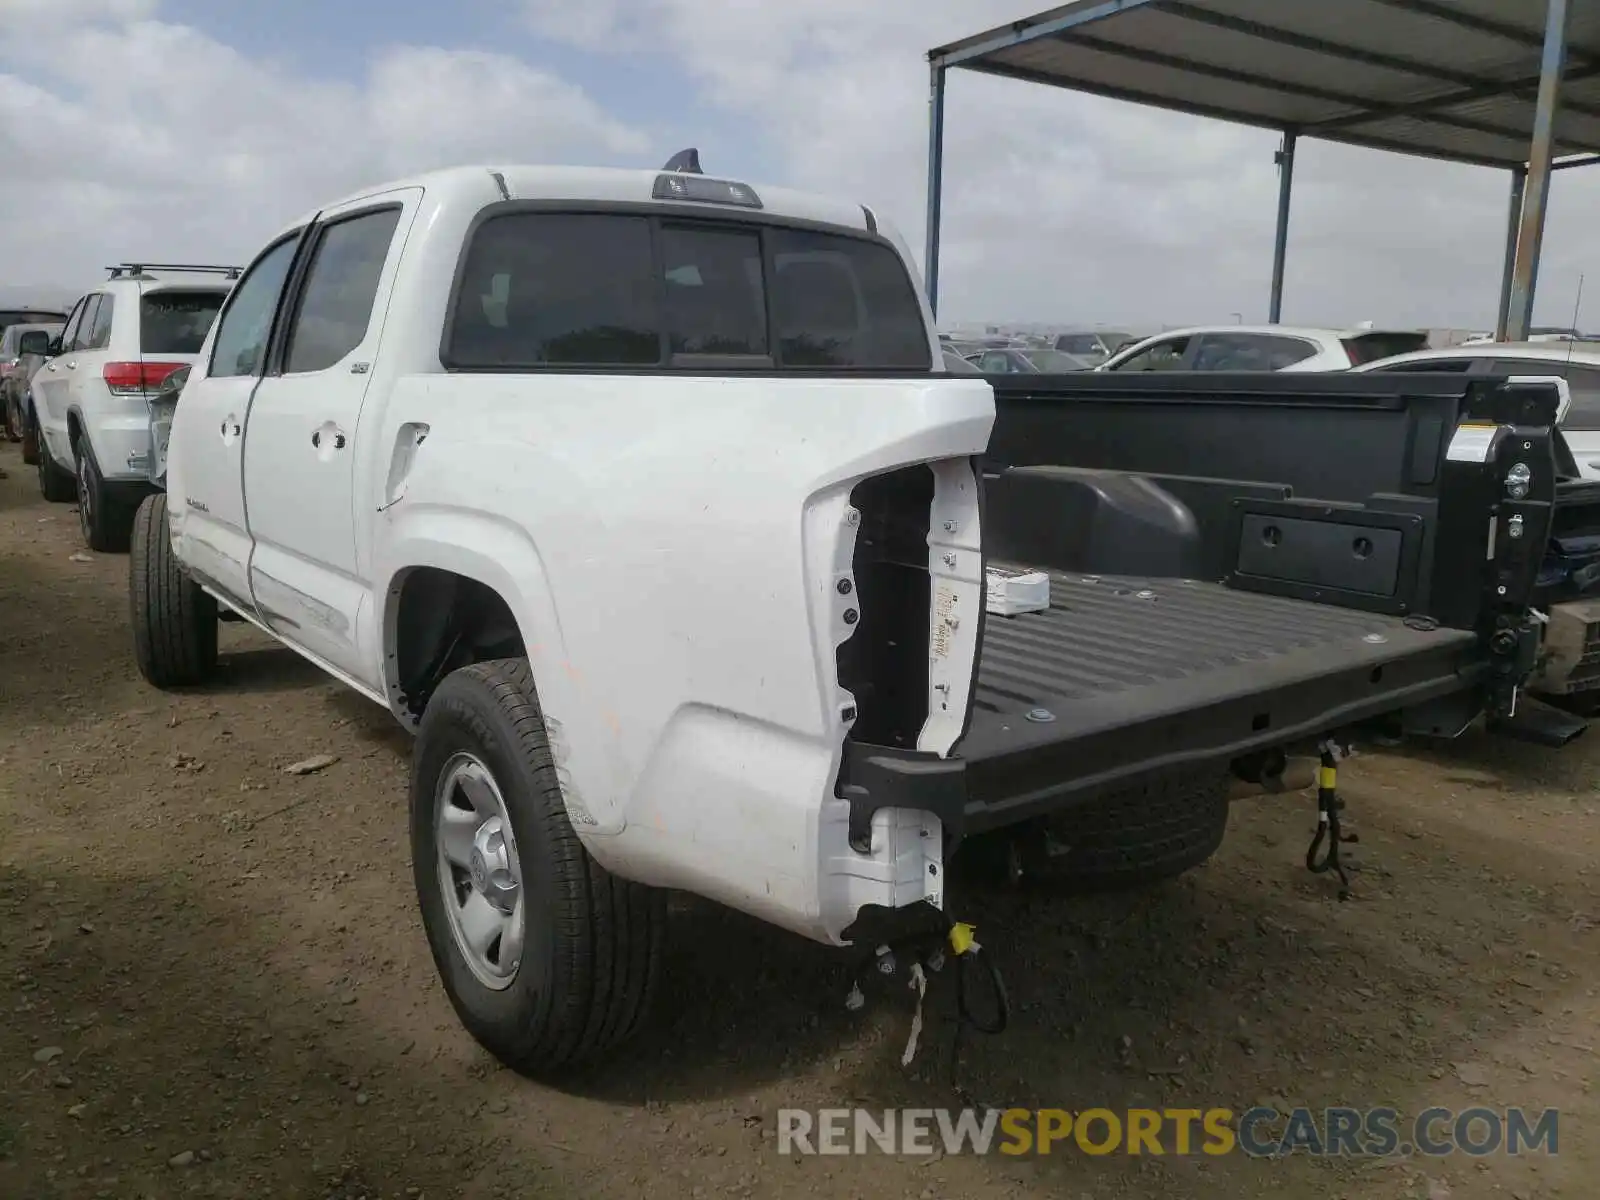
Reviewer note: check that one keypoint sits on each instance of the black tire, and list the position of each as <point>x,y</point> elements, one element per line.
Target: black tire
<point>592,947</point>
<point>30,436</point>
<point>55,485</point>
<point>1153,831</point>
<point>106,521</point>
<point>174,620</point>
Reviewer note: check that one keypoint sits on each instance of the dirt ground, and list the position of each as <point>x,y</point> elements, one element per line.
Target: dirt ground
<point>214,982</point>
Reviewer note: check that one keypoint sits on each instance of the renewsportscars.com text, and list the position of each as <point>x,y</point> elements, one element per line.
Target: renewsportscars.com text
<point>1256,1132</point>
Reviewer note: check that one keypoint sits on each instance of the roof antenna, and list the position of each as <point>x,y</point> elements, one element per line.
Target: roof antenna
<point>685,162</point>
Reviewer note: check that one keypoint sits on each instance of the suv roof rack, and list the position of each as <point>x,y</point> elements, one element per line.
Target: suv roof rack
<point>141,270</point>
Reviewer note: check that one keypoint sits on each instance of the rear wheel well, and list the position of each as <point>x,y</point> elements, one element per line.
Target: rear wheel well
<point>443,622</point>
<point>74,427</point>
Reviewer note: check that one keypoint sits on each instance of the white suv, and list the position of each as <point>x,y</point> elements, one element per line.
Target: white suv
<point>88,402</point>
<point>1263,348</point>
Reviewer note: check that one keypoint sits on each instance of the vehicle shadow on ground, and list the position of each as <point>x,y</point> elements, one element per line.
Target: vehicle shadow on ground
<point>253,670</point>
<point>121,993</point>
<point>1187,995</point>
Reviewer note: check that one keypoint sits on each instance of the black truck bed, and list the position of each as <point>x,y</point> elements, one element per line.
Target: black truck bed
<point>1126,675</point>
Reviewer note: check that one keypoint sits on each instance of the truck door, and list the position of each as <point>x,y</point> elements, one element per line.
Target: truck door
<point>51,391</point>
<point>304,434</point>
<point>205,481</point>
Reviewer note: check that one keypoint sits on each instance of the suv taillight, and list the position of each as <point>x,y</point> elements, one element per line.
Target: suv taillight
<point>137,378</point>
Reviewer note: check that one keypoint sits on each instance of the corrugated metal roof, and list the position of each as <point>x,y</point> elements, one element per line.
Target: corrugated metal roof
<point>1451,79</point>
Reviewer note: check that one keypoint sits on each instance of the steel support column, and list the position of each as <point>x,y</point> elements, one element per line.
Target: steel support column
<point>1280,245</point>
<point>1519,178</point>
<point>1536,192</point>
<point>936,75</point>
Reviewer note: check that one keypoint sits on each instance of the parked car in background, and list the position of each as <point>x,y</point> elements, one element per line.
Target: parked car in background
<point>1539,333</point>
<point>89,402</point>
<point>956,364</point>
<point>1263,348</point>
<point>1028,362</point>
<point>30,316</point>
<point>1095,345</point>
<point>20,357</point>
<point>1576,362</point>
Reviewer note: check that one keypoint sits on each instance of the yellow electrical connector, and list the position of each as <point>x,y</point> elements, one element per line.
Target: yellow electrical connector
<point>962,937</point>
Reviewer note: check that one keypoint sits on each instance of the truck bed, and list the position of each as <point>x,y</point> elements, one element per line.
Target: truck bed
<point>1123,676</point>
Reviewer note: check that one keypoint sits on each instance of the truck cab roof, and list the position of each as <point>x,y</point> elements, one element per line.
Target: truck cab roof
<point>475,185</point>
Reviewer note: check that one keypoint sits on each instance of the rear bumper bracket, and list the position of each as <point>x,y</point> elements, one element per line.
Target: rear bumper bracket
<point>878,777</point>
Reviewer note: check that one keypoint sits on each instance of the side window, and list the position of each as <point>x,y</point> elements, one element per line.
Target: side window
<point>246,323</point>
<point>1283,352</point>
<point>994,362</point>
<point>1250,352</point>
<point>100,331</point>
<point>557,289</point>
<point>335,307</point>
<point>714,299</point>
<point>69,335</point>
<point>1163,356</point>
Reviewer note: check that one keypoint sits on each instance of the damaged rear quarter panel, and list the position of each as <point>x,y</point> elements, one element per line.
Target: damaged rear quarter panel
<point>686,533</point>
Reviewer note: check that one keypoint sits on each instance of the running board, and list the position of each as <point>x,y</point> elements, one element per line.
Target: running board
<point>1541,724</point>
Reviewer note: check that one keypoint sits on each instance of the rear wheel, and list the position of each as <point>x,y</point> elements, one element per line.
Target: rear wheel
<point>30,434</point>
<point>174,619</point>
<point>106,521</point>
<point>549,960</point>
<point>55,485</point>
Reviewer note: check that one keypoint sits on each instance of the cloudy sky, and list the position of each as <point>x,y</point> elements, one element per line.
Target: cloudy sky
<point>192,129</point>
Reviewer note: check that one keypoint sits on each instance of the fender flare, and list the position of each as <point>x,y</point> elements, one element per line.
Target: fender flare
<point>492,551</point>
<point>500,555</point>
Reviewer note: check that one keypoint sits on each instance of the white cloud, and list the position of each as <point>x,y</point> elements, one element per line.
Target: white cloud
<point>1068,207</point>
<point>106,160</point>
<point>1057,206</point>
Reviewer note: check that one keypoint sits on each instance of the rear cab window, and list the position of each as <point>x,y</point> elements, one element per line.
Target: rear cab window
<point>175,320</point>
<point>655,289</point>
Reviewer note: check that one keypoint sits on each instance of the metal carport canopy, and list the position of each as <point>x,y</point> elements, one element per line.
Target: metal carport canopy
<point>1513,84</point>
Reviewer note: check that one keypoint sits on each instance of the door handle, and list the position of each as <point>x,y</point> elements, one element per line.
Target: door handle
<point>230,428</point>
<point>50,366</point>
<point>337,435</point>
<point>73,365</point>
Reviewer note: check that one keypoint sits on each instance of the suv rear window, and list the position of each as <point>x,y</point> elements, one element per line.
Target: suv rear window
<point>1370,347</point>
<point>176,320</point>
<point>617,290</point>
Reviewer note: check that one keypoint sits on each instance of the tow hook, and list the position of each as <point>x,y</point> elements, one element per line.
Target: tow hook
<point>1330,833</point>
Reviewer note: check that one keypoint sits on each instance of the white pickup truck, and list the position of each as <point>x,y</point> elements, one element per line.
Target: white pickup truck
<point>640,498</point>
<point>567,468</point>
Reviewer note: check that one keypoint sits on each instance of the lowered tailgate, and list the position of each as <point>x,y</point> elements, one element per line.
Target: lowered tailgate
<point>1125,676</point>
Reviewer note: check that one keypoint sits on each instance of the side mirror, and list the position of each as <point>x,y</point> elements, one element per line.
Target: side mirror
<point>35,341</point>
